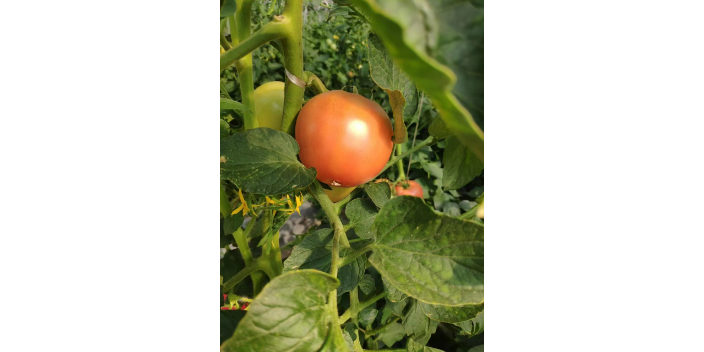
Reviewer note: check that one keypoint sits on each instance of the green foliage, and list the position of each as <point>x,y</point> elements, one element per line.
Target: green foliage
<point>257,160</point>
<point>314,253</point>
<point>290,315</point>
<point>433,258</point>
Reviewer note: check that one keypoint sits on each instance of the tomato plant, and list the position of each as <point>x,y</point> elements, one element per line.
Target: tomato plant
<point>378,271</point>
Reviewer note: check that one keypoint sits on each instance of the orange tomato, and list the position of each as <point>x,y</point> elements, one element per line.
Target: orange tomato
<point>414,189</point>
<point>345,137</point>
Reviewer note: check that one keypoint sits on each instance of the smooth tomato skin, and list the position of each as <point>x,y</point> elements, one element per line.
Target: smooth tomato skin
<point>269,104</point>
<point>414,189</point>
<point>345,137</point>
<point>338,193</point>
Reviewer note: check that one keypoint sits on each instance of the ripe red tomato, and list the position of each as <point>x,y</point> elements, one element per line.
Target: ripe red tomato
<point>414,189</point>
<point>345,137</point>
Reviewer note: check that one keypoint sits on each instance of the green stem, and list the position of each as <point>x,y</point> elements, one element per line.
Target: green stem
<point>329,209</point>
<point>271,31</point>
<point>338,235</point>
<point>246,271</point>
<point>381,328</point>
<point>360,240</point>
<point>223,41</point>
<point>354,302</point>
<point>345,317</point>
<point>354,255</point>
<point>348,313</point>
<point>244,66</point>
<point>241,240</point>
<point>223,90</point>
<point>399,163</point>
<point>240,236</point>
<point>275,258</point>
<point>470,213</point>
<point>292,46</point>
<point>427,142</point>
<point>371,300</point>
<point>340,204</point>
<point>313,82</point>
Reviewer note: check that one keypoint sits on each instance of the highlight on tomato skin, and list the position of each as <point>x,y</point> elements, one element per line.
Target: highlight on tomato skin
<point>346,137</point>
<point>413,189</point>
<point>269,104</point>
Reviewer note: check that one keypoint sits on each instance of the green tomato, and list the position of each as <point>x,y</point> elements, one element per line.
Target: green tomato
<point>269,104</point>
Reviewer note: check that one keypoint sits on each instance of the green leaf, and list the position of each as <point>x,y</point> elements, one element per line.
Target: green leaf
<point>314,252</point>
<point>379,193</point>
<point>452,314</point>
<point>439,129</point>
<point>361,213</point>
<point>233,223</point>
<point>413,346</point>
<point>388,76</point>
<point>229,104</point>
<point>403,95</point>
<point>473,327</point>
<point>263,161</point>
<point>433,258</point>
<point>290,314</point>
<point>392,334</point>
<point>409,31</point>
<point>367,284</point>
<point>348,340</point>
<point>451,209</point>
<point>461,48</point>
<point>367,315</point>
<point>441,198</point>
<point>417,325</point>
<point>397,308</point>
<point>338,11</point>
<point>393,294</point>
<point>461,166</point>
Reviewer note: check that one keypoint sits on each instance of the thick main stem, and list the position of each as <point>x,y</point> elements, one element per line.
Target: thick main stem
<point>244,66</point>
<point>338,236</point>
<point>292,45</point>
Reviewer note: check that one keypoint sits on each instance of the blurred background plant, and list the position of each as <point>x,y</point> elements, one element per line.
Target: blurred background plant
<point>334,49</point>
